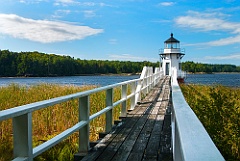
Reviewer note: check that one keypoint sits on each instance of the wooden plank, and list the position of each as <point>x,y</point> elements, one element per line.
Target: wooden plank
<point>139,131</point>
<point>110,151</point>
<point>152,149</point>
<point>165,143</point>
<point>113,146</point>
<point>97,150</point>
<point>128,137</point>
<point>142,140</point>
<point>126,147</point>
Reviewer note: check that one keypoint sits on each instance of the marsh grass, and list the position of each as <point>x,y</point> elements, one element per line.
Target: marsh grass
<point>50,121</point>
<point>218,108</point>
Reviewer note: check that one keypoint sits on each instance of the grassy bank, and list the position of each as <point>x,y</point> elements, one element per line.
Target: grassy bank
<point>50,121</point>
<point>218,108</point>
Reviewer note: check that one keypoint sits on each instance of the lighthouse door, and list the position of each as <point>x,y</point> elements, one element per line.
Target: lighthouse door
<point>167,69</point>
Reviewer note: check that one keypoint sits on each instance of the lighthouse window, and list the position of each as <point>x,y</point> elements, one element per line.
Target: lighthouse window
<point>172,45</point>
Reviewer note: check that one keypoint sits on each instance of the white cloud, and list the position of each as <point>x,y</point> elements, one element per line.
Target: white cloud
<point>43,31</point>
<point>206,22</point>
<point>166,4</point>
<point>225,41</point>
<point>225,57</point>
<point>211,22</point>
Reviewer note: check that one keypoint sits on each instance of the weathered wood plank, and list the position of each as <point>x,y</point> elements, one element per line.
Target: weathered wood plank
<point>152,149</point>
<point>126,147</point>
<point>139,136</point>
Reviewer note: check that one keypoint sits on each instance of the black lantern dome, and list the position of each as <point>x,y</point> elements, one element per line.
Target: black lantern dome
<point>172,42</point>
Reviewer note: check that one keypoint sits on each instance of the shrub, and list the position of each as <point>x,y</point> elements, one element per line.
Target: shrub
<point>218,108</point>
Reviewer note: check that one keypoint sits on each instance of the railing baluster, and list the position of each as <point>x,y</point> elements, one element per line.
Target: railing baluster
<point>22,137</point>
<point>109,117</point>
<point>84,108</point>
<point>124,103</point>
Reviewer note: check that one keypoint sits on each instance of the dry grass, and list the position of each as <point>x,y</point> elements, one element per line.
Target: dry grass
<point>51,121</point>
<point>218,108</point>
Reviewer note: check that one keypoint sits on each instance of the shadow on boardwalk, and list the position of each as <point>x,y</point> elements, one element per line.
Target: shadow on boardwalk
<point>144,134</point>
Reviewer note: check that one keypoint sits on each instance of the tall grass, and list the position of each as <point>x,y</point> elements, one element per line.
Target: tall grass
<point>218,108</point>
<point>49,122</point>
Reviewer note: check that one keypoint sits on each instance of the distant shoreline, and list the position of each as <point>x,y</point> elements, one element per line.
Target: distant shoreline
<point>214,73</point>
<point>97,74</point>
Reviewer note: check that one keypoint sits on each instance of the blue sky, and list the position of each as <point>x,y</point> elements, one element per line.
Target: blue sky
<point>135,30</point>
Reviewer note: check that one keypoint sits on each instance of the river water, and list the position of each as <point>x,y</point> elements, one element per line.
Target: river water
<point>232,80</point>
<point>68,80</point>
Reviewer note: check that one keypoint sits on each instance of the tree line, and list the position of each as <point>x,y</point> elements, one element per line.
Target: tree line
<point>193,67</point>
<point>42,64</point>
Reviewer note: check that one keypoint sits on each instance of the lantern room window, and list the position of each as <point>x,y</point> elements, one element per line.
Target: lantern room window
<point>172,43</point>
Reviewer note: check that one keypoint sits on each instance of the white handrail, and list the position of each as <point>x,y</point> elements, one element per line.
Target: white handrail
<point>190,140</point>
<point>22,115</point>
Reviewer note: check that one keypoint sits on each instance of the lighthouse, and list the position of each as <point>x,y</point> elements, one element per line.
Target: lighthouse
<point>171,57</point>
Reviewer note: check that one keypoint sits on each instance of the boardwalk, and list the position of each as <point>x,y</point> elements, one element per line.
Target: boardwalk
<point>144,134</point>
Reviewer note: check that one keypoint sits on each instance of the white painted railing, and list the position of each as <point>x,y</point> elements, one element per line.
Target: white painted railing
<point>22,115</point>
<point>190,140</point>
<point>182,74</point>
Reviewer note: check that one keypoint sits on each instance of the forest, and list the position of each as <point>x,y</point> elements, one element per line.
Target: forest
<point>192,67</point>
<point>41,64</point>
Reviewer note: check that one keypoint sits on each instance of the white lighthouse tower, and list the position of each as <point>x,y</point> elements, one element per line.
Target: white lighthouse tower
<point>171,57</point>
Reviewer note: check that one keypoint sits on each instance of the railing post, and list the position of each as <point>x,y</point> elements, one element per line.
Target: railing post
<point>84,132</point>
<point>138,91</point>
<point>133,89</point>
<point>22,137</point>
<point>151,79</point>
<point>124,103</point>
<point>109,117</point>
<point>140,85</point>
<point>155,76</point>
<point>147,81</point>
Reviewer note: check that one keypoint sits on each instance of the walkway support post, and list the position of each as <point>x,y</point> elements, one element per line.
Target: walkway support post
<point>133,90</point>
<point>109,103</point>
<point>22,137</point>
<point>84,109</point>
<point>140,84</point>
<point>124,103</point>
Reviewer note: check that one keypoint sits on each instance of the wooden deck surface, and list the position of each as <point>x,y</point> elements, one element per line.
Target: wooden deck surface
<point>145,134</point>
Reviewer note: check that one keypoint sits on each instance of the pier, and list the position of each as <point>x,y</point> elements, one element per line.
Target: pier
<point>145,132</point>
<point>157,125</point>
